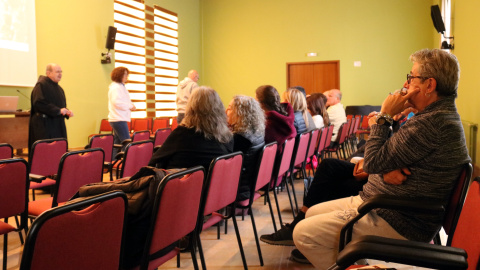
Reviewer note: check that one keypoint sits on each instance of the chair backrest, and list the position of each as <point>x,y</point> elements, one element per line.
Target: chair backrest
<point>6,151</point>
<point>342,132</point>
<point>283,160</point>
<point>77,168</point>
<point>221,185</point>
<point>104,141</point>
<point>328,139</point>
<point>177,201</point>
<point>13,188</point>
<point>466,234</point>
<point>105,126</point>
<point>159,123</point>
<point>137,155</point>
<point>365,122</point>
<point>161,135</point>
<point>142,135</point>
<point>314,135</point>
<point>140,124</point>
<point>266,163</point>
<point>45,156</point>
<point>457,198</point>
<point>174,123</point>
<point>86,234</point>
<point>300,149</point>
<point>358,118</point>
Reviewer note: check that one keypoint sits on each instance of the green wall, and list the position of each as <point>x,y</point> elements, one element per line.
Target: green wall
<point>465,29</point>
<point>248,43</point>
<point>73,34</point>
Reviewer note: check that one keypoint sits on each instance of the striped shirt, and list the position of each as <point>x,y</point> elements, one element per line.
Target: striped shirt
<point>432,146</point>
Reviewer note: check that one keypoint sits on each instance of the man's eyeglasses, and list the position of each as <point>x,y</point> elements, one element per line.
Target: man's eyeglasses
<point>410,77</point>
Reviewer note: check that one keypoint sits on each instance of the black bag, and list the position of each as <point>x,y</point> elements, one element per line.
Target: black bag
<point>140,190</point>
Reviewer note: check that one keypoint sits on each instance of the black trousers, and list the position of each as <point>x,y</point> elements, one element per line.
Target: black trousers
<point>333,180</point>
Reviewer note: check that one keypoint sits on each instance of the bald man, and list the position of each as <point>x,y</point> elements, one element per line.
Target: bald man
<point>48,107</point>
<point>184,90</point>
<point>335,110</point>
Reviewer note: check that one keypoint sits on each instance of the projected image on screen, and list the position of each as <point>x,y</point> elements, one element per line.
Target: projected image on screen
<point>13,26</point>
<point>18,49</point>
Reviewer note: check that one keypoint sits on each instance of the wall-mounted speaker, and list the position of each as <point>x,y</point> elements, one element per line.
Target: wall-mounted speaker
<point>112,32</point>
<point>437,19</point>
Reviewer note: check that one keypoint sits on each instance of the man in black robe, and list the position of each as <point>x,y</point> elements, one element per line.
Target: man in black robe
<point>48,107</point>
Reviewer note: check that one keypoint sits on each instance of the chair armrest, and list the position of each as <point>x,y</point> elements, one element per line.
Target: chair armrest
<point>401,251</point>
<point>36,177</point>
<point>157,147</point>
<point>126,141</point>
<point>388,202</point>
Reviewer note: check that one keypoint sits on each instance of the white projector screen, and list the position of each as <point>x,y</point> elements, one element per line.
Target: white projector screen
<point>18,43</point>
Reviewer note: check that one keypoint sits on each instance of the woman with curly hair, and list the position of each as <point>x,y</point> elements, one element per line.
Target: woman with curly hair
<point>247,122</point>
<point>318,110</point>
<point>279,116</point>
<point>202,136</point>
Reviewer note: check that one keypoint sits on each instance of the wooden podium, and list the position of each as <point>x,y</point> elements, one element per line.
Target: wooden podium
<point>14,130</point>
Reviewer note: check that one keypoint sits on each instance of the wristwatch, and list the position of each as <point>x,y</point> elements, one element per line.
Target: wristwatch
<point>384,119</point>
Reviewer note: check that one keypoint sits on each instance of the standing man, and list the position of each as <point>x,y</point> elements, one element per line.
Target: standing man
<point>49,107</point>
<point>184,90</point>
<point>335,110</point>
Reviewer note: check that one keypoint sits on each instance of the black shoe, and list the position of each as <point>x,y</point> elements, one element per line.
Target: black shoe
<point>283,237</point>
<point>297,256</point>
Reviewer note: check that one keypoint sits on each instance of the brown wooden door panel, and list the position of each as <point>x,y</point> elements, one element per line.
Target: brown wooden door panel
<point>315,77</point>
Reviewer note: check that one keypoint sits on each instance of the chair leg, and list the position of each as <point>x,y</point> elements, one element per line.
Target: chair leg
<point>271,210</point>
<point>239,241</point>
<point>33,194</point>
<point>5,246</point>
<point>256,237</point>
<point>20,231</point>
<point>200,251</point>
<point>289,197</point>
<point>294,195</point>
<point>278,210</point>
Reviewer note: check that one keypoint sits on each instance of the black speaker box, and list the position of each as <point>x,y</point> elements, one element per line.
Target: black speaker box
<point>437,19</point>
<point>112,32</point>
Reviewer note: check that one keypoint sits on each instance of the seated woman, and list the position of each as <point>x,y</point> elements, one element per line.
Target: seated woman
<point>247,122</point>
<point>303,120</point>
<point>279,116</point>
<point>316,107</point>
<point>202,136</point>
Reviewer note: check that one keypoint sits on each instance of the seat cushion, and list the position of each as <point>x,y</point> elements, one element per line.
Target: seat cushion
<point>37,207</point>
<point>5,228</point>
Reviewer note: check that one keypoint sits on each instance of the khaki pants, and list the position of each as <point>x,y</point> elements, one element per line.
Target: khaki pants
<point>318,234</point>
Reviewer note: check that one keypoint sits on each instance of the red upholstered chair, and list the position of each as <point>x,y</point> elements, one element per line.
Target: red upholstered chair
<point>143,135</point>
<point>13,198</point>
<point>328,141</point>
<point>340,141</point>
<point>364,128</point>
<point>44,158</point>
<point>461,220</point>
<point>174,123</point>
<point>280,172</point>
<point>312,149</point>
<point>105,128</point>
<point>321,141</point>
<point>159,123</point>
<point>177,201</point>
<point>6,151</point>
<point>140,124</point>
<point>220,191</point>
<point>77,168</point>
<point>298,162</point>
<point>86,234</point>
<point>137,155</point>
<point>161,135</point>
<point>266,162</point>
<point>105,142</point>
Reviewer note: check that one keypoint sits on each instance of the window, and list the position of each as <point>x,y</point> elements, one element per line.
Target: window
<point>147,44</point>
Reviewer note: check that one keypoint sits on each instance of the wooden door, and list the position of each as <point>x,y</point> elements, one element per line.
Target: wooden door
<point>315,77</point>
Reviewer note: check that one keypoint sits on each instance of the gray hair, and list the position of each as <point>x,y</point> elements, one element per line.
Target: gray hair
<point>440,65</point>
<point>205,112</point>
<point>249,116</point>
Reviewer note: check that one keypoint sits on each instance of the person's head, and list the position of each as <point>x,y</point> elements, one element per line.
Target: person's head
<point>206,114</point>
<point>301,89</point>
<point>269,99</point>
<point>54,72</point>
<point>435,74</point>
<point>296,99</point>
<point>334,96</point>
<point>193,75</point>
<point>245,116</point>
<point>120,74</point>
<point>316,106</point>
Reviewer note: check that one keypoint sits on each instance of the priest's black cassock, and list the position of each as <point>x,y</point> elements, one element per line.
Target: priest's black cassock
<point>46,121</point>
